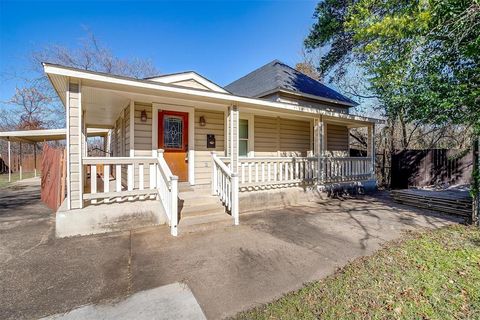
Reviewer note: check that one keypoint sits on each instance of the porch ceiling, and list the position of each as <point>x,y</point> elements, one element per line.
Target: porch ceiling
<point>102,107</point>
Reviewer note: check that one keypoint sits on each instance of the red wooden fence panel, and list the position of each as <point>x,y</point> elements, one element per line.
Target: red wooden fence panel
<point>53,163</point>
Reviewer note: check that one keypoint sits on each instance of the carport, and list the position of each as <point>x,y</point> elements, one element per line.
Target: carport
<point>36,136</point>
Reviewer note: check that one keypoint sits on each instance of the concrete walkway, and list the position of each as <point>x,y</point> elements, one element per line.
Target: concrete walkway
<point>228,269</point>
<point>173,301</point>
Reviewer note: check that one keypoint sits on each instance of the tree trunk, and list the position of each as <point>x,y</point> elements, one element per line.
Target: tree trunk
<point>404,130</point>
<point>476,183</point>
<point>391,133</point>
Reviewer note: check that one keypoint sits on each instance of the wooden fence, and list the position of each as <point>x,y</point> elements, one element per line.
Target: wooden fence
<point>53,177</point>
<point>28,163</point>
<point>419,168</point>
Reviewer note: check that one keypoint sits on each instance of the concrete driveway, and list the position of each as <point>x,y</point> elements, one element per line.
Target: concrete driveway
<point>228,269</point>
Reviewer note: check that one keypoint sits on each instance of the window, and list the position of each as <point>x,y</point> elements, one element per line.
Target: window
<point>243,138</point>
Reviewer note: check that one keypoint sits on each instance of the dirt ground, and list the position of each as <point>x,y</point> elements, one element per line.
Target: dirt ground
<point>228,269</point>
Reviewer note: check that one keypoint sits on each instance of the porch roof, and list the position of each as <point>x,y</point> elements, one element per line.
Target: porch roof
<point>33,136</point>
<point>60,75</point>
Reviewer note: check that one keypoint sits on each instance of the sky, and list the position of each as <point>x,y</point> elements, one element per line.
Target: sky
<point>221,40</point>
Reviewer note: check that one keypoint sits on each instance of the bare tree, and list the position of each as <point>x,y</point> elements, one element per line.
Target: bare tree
<point>35,103</point>
<point>92,55</point>
<point>32,109</point>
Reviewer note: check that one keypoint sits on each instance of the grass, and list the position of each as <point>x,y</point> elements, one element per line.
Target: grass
<point>429,275</point>
<point>15,177</point>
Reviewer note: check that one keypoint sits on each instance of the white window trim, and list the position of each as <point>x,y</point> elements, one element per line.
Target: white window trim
<point>251,132</point>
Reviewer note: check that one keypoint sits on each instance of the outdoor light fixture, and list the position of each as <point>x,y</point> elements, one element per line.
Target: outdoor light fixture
<point>202,121</point>
<point>143,116</point>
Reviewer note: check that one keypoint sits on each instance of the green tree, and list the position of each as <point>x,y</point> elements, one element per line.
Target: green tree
<point>421,57</point>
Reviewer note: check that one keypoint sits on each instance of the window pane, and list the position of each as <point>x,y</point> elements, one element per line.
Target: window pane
<point>243,148</point>
<point>172,132</point>
<point>243,129</point>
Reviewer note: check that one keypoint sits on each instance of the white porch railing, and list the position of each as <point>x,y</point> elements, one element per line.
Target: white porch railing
<point>125,182</point>
<point>261,171</point>
<point>225,186</point>
<point>271,171</point>
<point>133,178</point>
<point>347,169</point>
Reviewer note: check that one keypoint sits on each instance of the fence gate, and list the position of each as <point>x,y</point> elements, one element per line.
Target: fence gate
<point>53,177</point>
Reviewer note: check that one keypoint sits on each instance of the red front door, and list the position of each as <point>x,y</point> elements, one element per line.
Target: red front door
<point>173,138</point>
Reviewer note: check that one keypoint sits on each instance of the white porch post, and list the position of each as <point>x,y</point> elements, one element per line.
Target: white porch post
<point>9,162</point>
<point>214,175</point>
<point>82,142</point>
<point>318,139</point>
<point>74,147</point>
<point>131,134</point>
<point>371,148</point>
<point>233,121</point>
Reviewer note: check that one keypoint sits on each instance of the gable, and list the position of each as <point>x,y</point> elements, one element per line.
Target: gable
<point>191,83</point>
<point>189,79</point>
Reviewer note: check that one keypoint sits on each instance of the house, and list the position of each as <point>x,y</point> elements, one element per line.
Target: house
<point>187,146</point>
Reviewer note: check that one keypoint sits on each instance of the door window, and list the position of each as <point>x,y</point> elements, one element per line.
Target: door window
<point>173,132</point>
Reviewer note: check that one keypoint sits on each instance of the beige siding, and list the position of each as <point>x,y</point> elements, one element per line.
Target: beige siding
<point>281,137</point>
<point>337,139</point>
<point>215,124</point>
<point>294,137</point>
<point>126,126</point>
<point>266,136</point>
<point>143,131</point>
<point>143,139</point>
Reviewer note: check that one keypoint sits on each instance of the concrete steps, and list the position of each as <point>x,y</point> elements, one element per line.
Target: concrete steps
<point>199,210</point>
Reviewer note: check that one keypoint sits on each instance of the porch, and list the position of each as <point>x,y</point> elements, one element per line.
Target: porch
<point>195,155</point>
<point>216,179</point>
<point>145,179</point>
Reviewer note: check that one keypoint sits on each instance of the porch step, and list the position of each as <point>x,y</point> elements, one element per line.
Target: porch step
<point>199,210</point>
<point>202,210</point>
<point>184,187</point>
<point>203,223</point>
<point>198,204</point>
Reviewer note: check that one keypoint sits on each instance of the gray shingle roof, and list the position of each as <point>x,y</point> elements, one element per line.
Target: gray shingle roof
<point>276,75</point>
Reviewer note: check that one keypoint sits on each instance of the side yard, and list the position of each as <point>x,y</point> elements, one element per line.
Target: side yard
<point>15,177</point>
<point>429,275</point>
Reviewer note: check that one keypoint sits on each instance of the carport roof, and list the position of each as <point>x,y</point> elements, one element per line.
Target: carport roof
<point>32,136</point>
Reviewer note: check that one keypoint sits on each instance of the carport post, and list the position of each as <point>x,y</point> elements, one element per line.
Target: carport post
<point>35,158</point>
<point>20,160</point>
<point>9,162</point>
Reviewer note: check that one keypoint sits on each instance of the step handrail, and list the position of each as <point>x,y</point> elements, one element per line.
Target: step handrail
<point>225,186</point>
<point>167,188</point>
